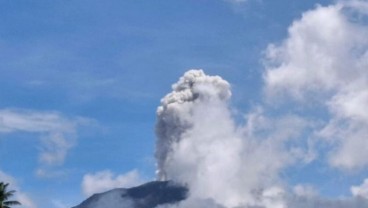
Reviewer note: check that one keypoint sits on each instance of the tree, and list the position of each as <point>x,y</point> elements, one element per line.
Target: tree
<point>5,195</point>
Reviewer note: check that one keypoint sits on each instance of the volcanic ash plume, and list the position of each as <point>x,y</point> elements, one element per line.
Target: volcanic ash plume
<point>176,114</point>
<point>199,145</point>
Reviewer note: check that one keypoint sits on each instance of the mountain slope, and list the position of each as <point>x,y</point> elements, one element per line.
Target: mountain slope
<point>148,195</point>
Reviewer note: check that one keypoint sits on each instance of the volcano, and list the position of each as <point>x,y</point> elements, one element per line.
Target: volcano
<point>148,195</point>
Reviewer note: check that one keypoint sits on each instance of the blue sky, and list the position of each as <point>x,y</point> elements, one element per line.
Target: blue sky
<point>81,80</point>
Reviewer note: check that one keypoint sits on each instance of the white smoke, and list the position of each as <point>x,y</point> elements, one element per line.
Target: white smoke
<point>200,145</point>
<point>196,135</point>
<point>229,165</point>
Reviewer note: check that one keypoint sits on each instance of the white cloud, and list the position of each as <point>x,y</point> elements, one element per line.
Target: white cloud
<point>55,147</point>
<point>20,196</point>
<point>316,54</point>
<point>57,133</point>
<point>106,180</point>
<point>12,120</point>
<point>324,59</point>
<point>304,190</point>
<point>361,190</point>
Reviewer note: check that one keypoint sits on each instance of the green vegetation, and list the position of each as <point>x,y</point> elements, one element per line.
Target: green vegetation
<point>5,195</point>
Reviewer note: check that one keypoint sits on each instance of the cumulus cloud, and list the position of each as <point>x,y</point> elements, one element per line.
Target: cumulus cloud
<point>106,180</point>
<point>361,190</point>
<point>57,132</point>
<point>320,49</point>
<point>324,59</point>
<point>20,196</point>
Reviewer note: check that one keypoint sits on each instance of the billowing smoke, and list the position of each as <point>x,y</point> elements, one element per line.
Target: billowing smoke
<point>227,165</point>
<point>200,145</point>
<point>178,109</point>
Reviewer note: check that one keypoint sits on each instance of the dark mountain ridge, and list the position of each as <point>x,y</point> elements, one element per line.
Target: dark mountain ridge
<point>148,195</point>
